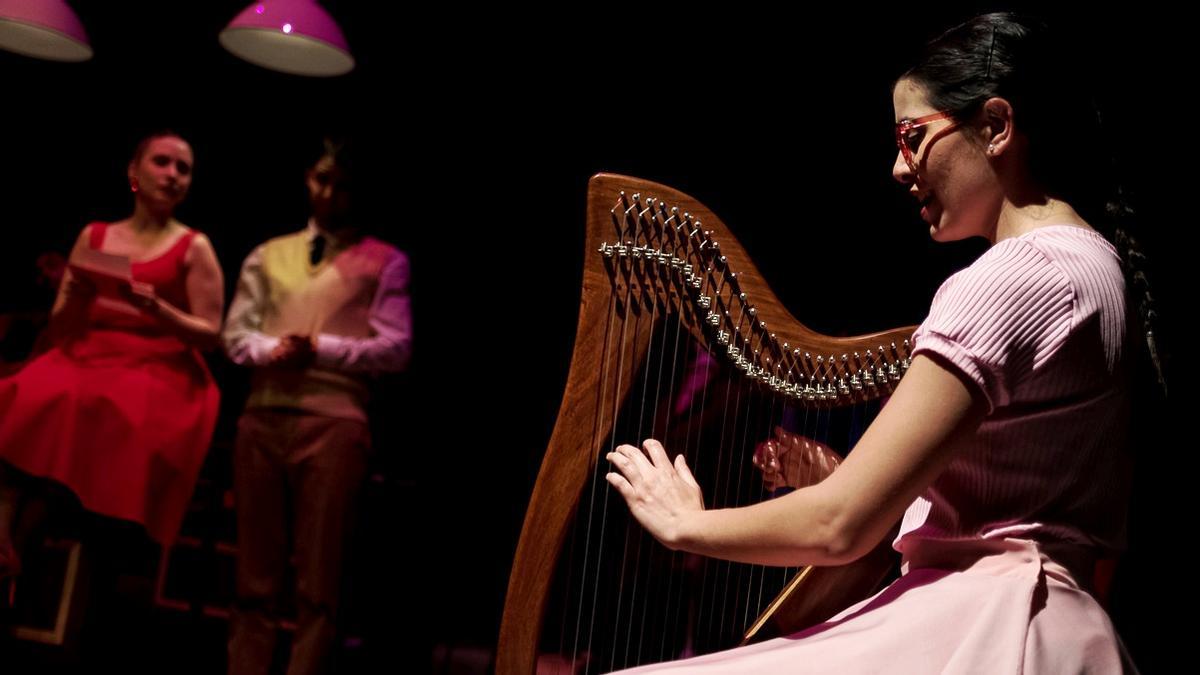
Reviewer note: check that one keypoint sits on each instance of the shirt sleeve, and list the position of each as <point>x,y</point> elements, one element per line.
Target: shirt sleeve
<point>389,346</point>
<point>245,344</point>
<point>1000,319</point>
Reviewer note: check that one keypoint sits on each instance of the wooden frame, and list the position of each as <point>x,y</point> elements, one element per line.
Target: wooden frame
<point>647,239</point>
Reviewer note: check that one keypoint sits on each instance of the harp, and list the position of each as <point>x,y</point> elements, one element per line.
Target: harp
<point>670,298</point>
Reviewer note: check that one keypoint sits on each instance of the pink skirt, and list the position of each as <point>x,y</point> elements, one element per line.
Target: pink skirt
<point>982,606</point>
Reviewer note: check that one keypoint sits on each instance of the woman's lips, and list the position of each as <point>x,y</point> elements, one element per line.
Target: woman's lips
<point>925,208</point>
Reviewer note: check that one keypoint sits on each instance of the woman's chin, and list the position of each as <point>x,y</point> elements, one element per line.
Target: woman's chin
<point>944,233</point>
<point>938,232</point>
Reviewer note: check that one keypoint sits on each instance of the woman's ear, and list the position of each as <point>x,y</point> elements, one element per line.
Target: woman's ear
<point>998,130</point>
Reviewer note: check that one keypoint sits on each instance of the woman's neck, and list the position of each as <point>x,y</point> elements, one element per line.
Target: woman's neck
<point>146,220</point>
<point>1018,219</point>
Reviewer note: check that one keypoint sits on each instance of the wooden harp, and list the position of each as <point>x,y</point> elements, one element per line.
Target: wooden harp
<point>661,271</point>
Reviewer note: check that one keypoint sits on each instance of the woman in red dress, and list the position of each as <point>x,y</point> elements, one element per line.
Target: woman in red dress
<point>120,409</point>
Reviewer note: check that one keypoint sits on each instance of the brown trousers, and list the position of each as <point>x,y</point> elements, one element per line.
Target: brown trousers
<point>298,472</point>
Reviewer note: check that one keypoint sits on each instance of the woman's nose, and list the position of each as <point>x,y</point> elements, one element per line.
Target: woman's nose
<point>901,171</point>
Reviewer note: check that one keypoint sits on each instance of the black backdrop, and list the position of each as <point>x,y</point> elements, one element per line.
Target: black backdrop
<point>483,127</point>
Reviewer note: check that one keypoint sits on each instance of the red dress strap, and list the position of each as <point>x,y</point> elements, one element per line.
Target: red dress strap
<point>180,248</point>
<point>96,236</point>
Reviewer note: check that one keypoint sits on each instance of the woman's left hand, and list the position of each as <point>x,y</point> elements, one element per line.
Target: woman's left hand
<point>660,494</point>
<point>792,460</point>
<point>142,296</point>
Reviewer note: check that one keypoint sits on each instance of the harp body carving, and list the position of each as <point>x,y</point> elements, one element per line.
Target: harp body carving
<point>662,270</point>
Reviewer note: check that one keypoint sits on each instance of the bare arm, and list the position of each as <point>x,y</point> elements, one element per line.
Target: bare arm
<point>833,522</point>
<point>205,290</point>
<point>69,313</point>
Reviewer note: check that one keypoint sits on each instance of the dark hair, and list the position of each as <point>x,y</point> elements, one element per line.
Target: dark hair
<point>1019,58</point>
<point>341,149</point>
<point>144,142</point>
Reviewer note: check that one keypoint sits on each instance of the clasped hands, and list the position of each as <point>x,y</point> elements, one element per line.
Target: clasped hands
<point>293,351</point>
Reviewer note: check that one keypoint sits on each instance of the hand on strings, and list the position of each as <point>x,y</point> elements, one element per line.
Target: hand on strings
<point>293,351</point>
<point>792,460</point>
<point>141,295</point>
<point>660,493</point>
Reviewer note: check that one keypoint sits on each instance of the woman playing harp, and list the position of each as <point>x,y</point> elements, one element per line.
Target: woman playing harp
<point>1003,448</point>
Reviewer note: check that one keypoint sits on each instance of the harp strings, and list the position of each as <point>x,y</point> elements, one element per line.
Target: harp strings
<point>647,329</point>
<point>613,372</point>
<point>659,328</point>
<point>629,297</point>
<point>669,319</point>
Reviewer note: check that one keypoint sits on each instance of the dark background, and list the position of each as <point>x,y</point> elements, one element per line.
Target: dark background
<point>482,129</point>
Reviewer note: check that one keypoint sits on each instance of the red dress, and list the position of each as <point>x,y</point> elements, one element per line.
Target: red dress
<point>121,414</point>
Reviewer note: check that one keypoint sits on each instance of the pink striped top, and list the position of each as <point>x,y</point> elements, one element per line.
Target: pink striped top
<point>1038,323</point>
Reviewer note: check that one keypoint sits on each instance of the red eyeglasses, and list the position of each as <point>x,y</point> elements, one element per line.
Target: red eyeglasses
<point>905,127</point>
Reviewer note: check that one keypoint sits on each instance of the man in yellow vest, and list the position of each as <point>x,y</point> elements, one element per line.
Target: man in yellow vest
<point>316,314</point>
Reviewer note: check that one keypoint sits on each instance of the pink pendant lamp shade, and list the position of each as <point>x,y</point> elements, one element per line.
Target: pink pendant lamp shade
<point>43,29</point>
<point>291,36</point>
